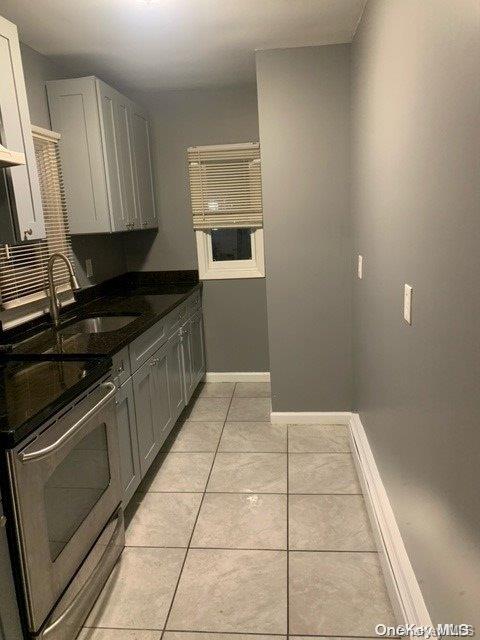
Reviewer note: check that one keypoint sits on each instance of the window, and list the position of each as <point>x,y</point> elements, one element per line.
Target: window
<point>23,267</point>
<point>226,197</point>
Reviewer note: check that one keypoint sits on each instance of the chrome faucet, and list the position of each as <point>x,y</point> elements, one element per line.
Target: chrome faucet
<point>54,301</point>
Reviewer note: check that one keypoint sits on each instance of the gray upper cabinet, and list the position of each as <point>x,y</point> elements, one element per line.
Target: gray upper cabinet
<point>144,177</point>
<point>105,151</point>
<point>16,135</point>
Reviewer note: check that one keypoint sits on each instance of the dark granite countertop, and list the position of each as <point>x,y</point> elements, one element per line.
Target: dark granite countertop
<point>40,372</point>
<point>149,302</point>
<point>31,391</point>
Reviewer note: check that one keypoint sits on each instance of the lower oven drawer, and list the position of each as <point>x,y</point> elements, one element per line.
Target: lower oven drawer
<point>66,620</point>
<point>65,487</point>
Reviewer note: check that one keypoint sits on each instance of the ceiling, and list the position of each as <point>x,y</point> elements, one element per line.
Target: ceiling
<point>150,45</point>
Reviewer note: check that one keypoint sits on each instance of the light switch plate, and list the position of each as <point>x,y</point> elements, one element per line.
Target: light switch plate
<point>407,304</point>
<point>360,266</point>
<point>88,268</point>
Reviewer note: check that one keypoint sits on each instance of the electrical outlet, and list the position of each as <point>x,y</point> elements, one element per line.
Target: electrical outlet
<point>360,266</point>
<point>407,304</point>
<point>88,268</point>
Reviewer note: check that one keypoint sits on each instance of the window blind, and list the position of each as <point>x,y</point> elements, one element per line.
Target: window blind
<point>226,185</point>
<point>23,267</point>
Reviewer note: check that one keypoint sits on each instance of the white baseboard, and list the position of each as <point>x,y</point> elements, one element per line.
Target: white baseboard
<point>310,417</point>
<point>404,591</point>
<point>237,376</point>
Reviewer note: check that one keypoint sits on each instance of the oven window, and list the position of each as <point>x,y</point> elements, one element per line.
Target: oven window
<point>75,487</point>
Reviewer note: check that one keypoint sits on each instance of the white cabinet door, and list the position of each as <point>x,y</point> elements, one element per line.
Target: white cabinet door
<point>187,361</point>
<point>123,108</point>
<point>128,441</point>
<point>165,417</point>
<point>75,114</point>
<point>146,411</point>
<point>110,128</point>
<point>116,126</point>
<point>143,169</point>
<point>16,135</point>
<point>198,348</point>
<point>175,376</point>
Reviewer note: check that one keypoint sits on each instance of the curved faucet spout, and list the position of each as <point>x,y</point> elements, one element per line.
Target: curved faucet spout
<point>54,302</point>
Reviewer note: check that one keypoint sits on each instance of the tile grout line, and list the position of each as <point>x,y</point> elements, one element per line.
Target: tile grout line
<point>165,624</point>
<point>288,538</point>
<point>251,493</point>
<point>149,546</point>
<point>235,633</point>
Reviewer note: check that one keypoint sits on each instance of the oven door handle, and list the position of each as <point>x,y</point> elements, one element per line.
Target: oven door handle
<point>45,451</point>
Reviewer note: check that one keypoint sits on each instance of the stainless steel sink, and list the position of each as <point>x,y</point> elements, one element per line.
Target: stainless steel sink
<point>99,324</point>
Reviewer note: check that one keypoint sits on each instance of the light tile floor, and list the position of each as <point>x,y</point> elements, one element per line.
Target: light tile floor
<point>244,530</point>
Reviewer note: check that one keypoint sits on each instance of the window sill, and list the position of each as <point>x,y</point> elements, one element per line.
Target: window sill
<point>231,274</point>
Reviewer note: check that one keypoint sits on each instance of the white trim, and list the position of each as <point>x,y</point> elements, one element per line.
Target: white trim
<point>310,417</point>
<point>229,269</point>
<point>404,590</point>
<point>237,376</point>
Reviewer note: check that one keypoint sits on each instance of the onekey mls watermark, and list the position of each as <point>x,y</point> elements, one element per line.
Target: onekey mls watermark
<point>418,631</point>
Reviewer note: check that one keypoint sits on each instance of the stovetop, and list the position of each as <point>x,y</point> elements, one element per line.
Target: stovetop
<point>32,389</point>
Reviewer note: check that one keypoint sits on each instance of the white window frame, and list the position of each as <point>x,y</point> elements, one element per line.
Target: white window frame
<point>208,269</point>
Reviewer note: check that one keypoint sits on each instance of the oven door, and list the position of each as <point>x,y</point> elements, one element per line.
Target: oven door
<point>66,485</point>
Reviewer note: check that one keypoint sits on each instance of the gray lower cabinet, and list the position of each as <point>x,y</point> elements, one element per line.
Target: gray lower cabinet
<point>175,375</point>
<point>127,434</point>
<point>152,406</point>
<point>150,401</point>
<point>165,419</point>
<point>9,619</point>
<point>198,347</point>
<point>187,361</point>
<point>193,351</point>
<point>144,393</point>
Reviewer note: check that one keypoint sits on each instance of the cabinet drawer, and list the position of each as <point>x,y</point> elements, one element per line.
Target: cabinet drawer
<point>121,367</point>
<point>146,344</point>
<point>193,303</point>
<point>176,318</point>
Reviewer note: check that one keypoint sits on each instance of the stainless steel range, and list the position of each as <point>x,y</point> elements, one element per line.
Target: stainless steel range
<point>68,524</point>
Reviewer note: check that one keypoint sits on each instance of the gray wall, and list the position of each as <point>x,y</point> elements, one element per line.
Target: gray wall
<point>304,102</point>
<point>416,202</point>
<point>106,252</point>
<point>235,310</point>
